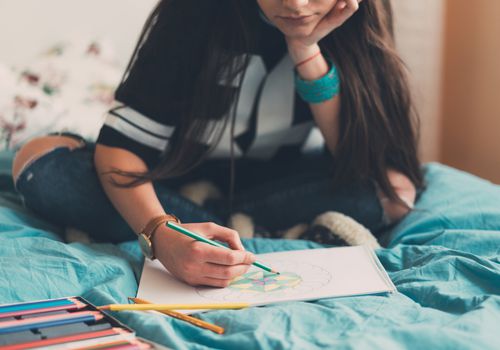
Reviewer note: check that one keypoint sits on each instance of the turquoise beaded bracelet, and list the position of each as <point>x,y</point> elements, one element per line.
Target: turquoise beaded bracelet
<point>319,90</point>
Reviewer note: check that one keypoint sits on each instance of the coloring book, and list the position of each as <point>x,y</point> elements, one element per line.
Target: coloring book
<point>304,275</point>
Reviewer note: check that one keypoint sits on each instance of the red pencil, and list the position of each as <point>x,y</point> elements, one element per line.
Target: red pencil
<point>66,339</point>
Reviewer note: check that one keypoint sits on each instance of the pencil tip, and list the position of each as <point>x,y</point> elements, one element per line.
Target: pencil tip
<point>275,272</point>
<point>103,307</point>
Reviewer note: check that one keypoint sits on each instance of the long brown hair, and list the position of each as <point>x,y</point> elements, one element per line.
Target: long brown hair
<point>378,124</point>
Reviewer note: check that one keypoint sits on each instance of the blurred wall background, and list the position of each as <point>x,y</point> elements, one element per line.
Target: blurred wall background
<point>452,49</point>
<point>29,26</point>
<point>419,39</point>
<point>470,136</point>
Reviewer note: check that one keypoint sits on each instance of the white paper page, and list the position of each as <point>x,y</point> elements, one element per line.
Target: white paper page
<point>305,275</point>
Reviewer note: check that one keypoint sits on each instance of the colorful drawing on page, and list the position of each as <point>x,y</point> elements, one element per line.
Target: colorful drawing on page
<point>258,285</point>
<point>263,281</point>
<point>309,274</point>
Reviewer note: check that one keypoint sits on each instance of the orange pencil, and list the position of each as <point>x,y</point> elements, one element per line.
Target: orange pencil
<point>193,320</point>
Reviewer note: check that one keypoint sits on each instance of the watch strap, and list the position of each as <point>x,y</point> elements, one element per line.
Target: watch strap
<point>146,234</point>
<point>155,222</point>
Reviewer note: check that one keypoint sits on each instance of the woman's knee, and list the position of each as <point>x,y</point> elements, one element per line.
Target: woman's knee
<point>405,190</point>
<point>38,147</point>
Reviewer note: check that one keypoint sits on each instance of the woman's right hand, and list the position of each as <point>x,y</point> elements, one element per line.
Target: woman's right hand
<point>198,263</point>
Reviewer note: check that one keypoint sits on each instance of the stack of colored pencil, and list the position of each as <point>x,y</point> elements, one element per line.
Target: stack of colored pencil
<point>68,323</point>
<point>74,323</point>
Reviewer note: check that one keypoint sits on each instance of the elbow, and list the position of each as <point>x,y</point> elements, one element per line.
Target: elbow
<point>118,165</point>
<point>101,160</point>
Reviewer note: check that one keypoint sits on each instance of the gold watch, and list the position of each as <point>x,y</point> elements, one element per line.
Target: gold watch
<point>146,234</point>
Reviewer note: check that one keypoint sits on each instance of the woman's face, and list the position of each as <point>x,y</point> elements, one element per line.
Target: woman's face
<point>296,18</point>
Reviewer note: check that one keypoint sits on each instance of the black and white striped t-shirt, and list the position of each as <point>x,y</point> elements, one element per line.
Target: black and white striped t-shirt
<point>271,119</point>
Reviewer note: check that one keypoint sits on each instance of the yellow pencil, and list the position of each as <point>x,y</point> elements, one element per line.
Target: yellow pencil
<point>163,307</point>
<point>193,320</point>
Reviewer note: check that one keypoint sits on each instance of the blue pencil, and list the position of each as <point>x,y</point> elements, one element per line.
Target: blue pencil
<point>36,305</point>
<point>49,321</point>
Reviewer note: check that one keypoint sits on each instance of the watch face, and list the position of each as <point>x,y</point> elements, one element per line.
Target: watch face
<point>146,246</point>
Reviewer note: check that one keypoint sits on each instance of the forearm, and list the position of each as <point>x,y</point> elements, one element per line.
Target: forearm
<point>137,205</point>
<point>194,262</point>
<point>326,114</point>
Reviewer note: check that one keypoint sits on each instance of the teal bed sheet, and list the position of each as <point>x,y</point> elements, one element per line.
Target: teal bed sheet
<point>443,259</point>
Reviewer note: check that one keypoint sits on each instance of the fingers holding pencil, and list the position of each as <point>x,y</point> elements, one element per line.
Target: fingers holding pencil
<point>201,238</point>
<point>214,266</point>
<point>189,253</point>
<point>224,272</point>
<point>217,255</point>
<point>224,234</point>
<point>198,263</point>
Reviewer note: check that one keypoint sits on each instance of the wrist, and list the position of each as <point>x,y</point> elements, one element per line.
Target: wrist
<point>315,68</point>
<point>317,87</point>
<point>164,240</point>
<point>165,233</point>
<point>147,234</point>
<point>300,52</point>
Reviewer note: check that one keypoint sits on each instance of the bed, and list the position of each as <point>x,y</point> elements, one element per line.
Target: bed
<point>443,259</point>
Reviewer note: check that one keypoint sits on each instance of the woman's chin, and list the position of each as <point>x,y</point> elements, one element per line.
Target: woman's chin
<point>297,32</point>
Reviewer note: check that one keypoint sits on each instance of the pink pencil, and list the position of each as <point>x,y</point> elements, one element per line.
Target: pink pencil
<point>49,321</point>
<point>132,344</point>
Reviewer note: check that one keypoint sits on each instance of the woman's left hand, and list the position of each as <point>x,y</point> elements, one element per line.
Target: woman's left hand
<point>340,13</point>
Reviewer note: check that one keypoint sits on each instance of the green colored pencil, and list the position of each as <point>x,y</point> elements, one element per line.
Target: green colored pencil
<point>196,236</point>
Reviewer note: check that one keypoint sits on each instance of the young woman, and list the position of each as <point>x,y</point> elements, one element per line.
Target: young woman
<point>229,91</point>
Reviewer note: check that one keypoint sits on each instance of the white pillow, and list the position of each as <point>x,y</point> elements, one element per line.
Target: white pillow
<point>67,88</point>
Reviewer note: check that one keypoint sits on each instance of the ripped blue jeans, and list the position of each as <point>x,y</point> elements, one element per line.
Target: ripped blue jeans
<point>63,187</point>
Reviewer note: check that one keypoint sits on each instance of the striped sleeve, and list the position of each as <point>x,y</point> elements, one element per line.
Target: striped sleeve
<point>126,128</point>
